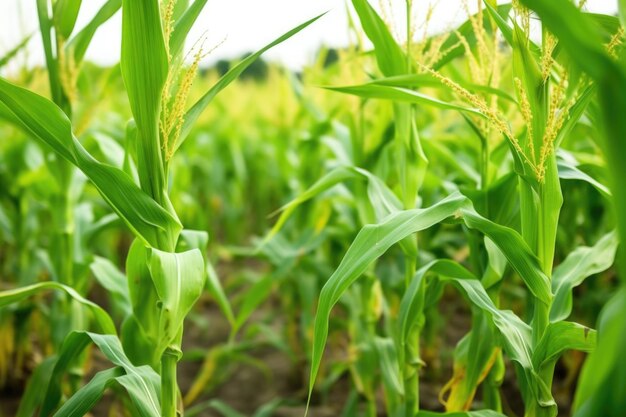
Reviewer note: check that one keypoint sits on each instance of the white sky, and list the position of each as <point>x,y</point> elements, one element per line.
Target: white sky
<point>243,25</point>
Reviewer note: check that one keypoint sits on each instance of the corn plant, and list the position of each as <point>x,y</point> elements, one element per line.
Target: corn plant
<point>602,379</point>
<point>549,113</point>
<point>165,266</point>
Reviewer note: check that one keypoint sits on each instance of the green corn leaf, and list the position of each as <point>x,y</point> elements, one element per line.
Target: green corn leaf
<point>569,171</point>
<point>411,81</point>
<point>105,324</point>
<point>80,42</point>
<point>391,60</point>
<point>183,25</point>
<point>45,121</point>
<point>79,404</point>
<point>64,16</point>
<point>371,242</point>
<point>400,95</point>
<point>113,280</point>
<point>52,64</point>
<point>374,240</point>
<point>577,34</point>
<point>516,333</point>
<point>383,200</point>
<point>412,304</point>
<point>517,252</point>
<point>506,29</point>
<point>562,336</point>
<point>196,110</point>
<point>194,239</point>
<point>579,265</point>
<point>179,279</point>
<point>142,383</point>
<point>144,65</point>
<point>601,384</point>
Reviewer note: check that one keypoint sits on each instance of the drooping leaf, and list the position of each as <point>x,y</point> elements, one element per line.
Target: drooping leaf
<point>89,394</point>
<point>562,336</point>
<point>579,265</point>
<point>103,320</point>
<point>374,240</point>
<point>142,383</point>
<point>45,121</point>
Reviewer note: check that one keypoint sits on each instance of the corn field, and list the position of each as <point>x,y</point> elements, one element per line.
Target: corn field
<point>421,223</point>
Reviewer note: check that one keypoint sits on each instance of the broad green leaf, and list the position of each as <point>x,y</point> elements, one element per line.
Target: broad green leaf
<point>105,324</point>
<point>569,171</point>
<point>601,384</point>
<point>79,404</point>
<point>517,252</point>
<point>142,383</point>
<point>515,333</point>
<point>401,95</point>
<point>179,279</point>
<point>144,65</point>
<point>196,110</point>
<point>64,14</point>
<point>562,336</point>
<point>579,265</point>
<point>48,123</point>
<point>374,240</point>
<point>194,239</point>
<point>390,57</point>
<point>371,242</point>
<point>506,29</point>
